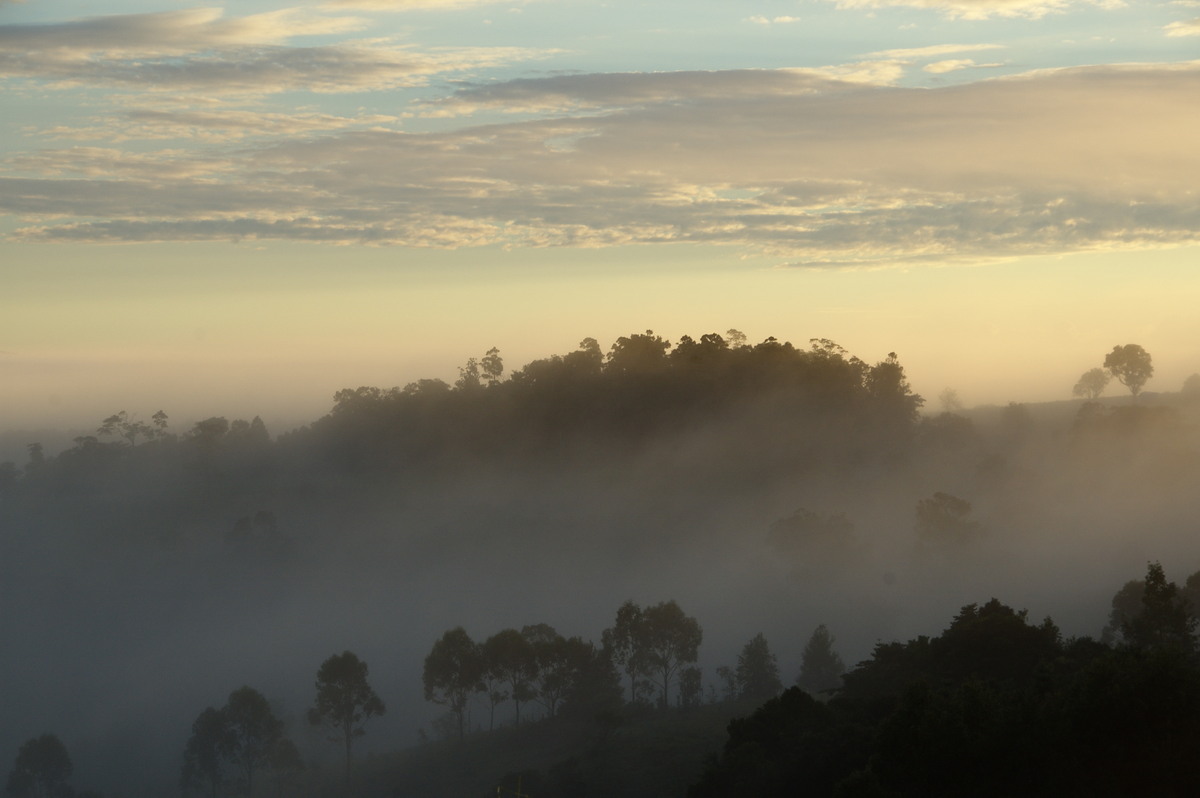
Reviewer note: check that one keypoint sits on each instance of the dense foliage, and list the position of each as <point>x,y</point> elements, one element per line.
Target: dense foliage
<point>994,706</point>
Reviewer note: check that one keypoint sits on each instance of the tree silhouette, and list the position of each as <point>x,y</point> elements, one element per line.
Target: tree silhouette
<point>623,642</point>
<point>1131,365</point>
<point>254,731</point>
<point>1165,619</point>
<point>41,769</point>
<point>452,674</point>
<point>205,751</point>
<point>344,700</point>
<point>670,640</point>
<point>491,366</point>
<point>943,518</point>
<point>757,672</point>
<point>1092,384</point>
<point>285,761</point>
<point>558,663</point>
<point>820,666</point>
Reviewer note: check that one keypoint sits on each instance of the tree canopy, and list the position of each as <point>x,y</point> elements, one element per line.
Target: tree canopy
<point>1131,365</point>
<point>345,700</point>
<point>41,769</point>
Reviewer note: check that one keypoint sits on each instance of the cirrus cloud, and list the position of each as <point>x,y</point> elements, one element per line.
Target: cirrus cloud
<point>982,9</point>
<point>809,169</point>
<point>1188,28</point>
<point>200,50</point>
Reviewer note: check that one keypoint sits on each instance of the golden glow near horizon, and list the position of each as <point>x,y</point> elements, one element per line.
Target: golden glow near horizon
<point>238,210</point>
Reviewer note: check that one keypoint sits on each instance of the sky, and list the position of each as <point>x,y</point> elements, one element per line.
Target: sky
<point>238,209</point>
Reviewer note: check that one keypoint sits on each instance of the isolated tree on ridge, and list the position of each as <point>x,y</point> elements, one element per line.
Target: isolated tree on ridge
<point>344,699</point>
<point>1092,384</point>
<point>1131,365</point>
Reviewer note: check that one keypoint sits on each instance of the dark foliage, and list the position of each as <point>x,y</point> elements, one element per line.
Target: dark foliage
<point>994,706</point>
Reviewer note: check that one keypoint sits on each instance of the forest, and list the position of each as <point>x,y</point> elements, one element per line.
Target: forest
<point>371,604</point>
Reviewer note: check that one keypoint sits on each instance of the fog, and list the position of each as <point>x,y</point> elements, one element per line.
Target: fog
<point>130,603</point>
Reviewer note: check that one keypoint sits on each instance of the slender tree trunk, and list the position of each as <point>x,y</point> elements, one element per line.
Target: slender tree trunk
<point>349,739</point>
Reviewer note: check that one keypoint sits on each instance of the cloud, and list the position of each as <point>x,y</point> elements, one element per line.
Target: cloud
<point>199,50</point>
<point>982,9</point>
<point>758,19</point>
<point>415,5</point>
<point>166,33</point>
<point>955,64</point>
<point>793,164</point>
<point>638,89</point>
<point>915,53</point>
<point>1189,28</point>
<point>210,126</point>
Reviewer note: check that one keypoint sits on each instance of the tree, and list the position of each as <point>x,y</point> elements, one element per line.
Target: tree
<point>41,769</point>
<point>821,668</point>
<point>670,640</point>
<point>491,366</point>
<point>757,672</point>
<point>623,642</point>
<point>127,427</point>
<point>951,403</point>
<point>345,701</point>
<point>1165,619</point>
<point>943,518</point>
<point>509,657</point>
<point>468,376</point>
<point>558,663</point>
<point>452,674</point>
<point>205,751</point>
<point>691,687</point>
<point>1191,387</point>
<point>254,731</point>
<point>638,354</point>
<point>209,433</point>
<point>285,761</point>
<point>1092,384</point>
<point>1131,365</point>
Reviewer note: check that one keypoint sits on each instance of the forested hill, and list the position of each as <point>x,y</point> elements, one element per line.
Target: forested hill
<point>148,570</point>
<point>729,411</point>
<point>779,401</point>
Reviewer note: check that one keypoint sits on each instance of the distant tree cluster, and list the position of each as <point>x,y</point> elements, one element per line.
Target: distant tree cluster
<point>535,664</point>
<point>42,769</point>
<point>655,648</point>
<point>232,744</point>
<point>1129,364</point>
<point>643,385</point>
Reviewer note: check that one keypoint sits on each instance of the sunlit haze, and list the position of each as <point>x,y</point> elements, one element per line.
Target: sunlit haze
<point>557,358</point>
<point>238,210</point>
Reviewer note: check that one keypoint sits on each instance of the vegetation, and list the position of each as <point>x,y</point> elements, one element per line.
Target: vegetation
<point>512,487</point>
<point>993,706</point>
<point>345,700</point>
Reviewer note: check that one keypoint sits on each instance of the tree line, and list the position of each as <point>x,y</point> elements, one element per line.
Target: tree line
<point>230,744</point>
<point>996,705</point>
<point>654,648</point>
